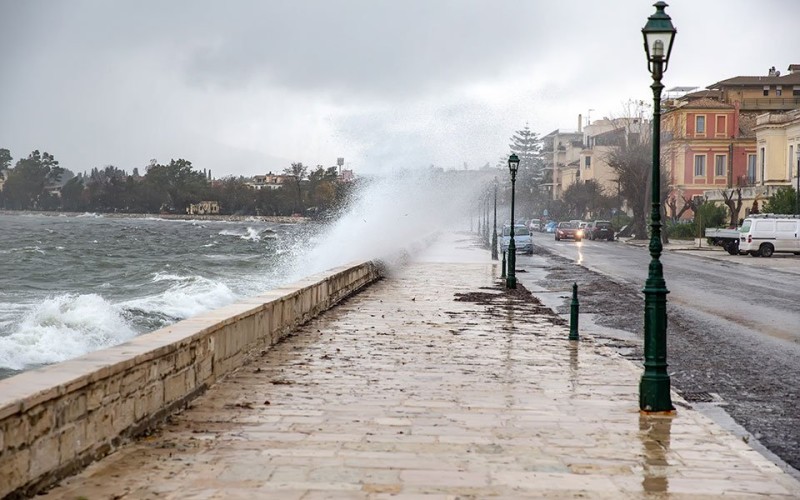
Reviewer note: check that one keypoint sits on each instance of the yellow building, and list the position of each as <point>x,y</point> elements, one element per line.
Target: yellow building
<point>562,151</point>
<point>778,143</point>
<point>770,92</point>
<point>600,138</point>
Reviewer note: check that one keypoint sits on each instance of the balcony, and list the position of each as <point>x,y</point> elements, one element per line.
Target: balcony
<point>777,118</point>
<point>770,104</point>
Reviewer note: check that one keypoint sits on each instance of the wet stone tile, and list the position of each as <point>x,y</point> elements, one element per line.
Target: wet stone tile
<point>404,392</point>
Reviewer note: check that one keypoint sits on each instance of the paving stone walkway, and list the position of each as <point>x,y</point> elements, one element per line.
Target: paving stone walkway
<point>413,390</point>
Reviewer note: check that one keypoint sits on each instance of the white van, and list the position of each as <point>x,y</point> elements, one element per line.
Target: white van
<point>763,235</point>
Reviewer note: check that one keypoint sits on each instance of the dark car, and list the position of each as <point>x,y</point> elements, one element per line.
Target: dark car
<point>600,230</point>
<point>568,231</point>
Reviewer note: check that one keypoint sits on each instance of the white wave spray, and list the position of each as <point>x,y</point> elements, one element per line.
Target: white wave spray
<point>393,214</point>
<point>62,328</point>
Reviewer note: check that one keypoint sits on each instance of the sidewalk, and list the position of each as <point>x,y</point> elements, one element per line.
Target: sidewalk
<point>410,390</point>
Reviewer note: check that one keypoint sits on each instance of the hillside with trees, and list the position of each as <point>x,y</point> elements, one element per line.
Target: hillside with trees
<point>37,182</point>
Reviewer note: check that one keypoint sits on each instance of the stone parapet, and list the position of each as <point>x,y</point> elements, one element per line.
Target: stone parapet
<point>57,419</point>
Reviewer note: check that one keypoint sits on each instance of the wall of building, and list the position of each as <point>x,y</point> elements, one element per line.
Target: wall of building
<point>57,419</point>
<point>778,138</point>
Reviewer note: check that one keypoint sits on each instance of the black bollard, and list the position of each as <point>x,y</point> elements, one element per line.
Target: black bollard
<point>573,313</point>
<point>503,266</point>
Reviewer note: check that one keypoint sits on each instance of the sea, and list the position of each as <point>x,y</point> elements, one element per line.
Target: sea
<point>73,284</point>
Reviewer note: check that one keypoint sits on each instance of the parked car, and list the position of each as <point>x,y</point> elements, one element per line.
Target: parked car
<point>523,242</point>
<point>600,230</point>
<point>568,231</point>
<point>761,236</point>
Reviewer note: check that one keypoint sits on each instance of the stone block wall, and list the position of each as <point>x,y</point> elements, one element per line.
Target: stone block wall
<point>57,419</point>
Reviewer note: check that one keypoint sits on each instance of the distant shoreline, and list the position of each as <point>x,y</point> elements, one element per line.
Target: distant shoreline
<point>117,215</point>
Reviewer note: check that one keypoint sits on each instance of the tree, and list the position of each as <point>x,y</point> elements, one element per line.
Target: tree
<point>178,184</point>
<point>25,186</point>
<point>709,215</point>
<point>632,160</point>
<point>527,145</point>
<point>109,190</point>
<point>72,195</point>
<point>235,197</point>
<point>583,198</point>
<point>5,160</point>
<point>733,200</point>
<point>672,203</point>
<point>781,202</point>
<point>298,172</point>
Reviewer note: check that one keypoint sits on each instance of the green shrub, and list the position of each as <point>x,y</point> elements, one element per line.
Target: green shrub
<point>711,215</point>
<point>682,231</point>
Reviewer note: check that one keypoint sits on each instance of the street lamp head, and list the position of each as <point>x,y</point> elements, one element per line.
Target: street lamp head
<point>513,164</point>
<point>659,33</point>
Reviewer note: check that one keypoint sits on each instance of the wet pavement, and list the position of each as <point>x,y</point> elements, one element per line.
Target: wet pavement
<point>436,382</point>
<point>783,262</point>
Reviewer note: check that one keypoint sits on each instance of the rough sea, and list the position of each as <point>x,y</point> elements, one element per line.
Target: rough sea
<point>73,284</point>
<point>70,285</point>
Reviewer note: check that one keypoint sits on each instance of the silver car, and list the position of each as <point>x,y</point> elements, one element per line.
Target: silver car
<point>522,239</point>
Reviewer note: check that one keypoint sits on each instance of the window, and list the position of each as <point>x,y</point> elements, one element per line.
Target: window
<point>719,165</point>
<point>720,129</point>
<point>778,90</point>
<point>587,162</point>
<point>763,163</point>
<point>791,160</point>
<point>796,90</point>
<point>751,169</point>
<point>766,90</point>
<point>700,166</point>
<point>700,124</point>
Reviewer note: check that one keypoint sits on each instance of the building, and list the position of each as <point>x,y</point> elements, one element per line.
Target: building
<point>770,92</point>
<point>562,152</point>
<point>599,139</point>
<point>778,142</point>
<point>708,150</point>
<point>203,208</point>
<point>711,144</point>
<point>269,181</point>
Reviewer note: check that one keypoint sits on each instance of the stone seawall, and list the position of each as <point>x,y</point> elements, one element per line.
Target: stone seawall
<point>57,419</point>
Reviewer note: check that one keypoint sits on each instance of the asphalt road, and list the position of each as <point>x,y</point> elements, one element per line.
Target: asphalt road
<point>733,324</point>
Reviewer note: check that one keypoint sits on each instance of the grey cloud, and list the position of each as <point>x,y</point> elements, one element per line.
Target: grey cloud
<point>351,46</point>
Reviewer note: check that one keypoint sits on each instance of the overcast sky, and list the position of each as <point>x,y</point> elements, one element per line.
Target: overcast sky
<point>246,87</point>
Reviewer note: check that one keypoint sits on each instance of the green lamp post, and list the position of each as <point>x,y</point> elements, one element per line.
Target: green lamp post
<point>511,278</point>
<point>654,387</point>
<point>494,223</point>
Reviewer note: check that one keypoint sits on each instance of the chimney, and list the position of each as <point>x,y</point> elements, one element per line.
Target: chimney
<point>794,68</point>
<point>580,122</point>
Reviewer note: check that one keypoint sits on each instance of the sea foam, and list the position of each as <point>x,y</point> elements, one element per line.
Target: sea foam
<point>61,328</point>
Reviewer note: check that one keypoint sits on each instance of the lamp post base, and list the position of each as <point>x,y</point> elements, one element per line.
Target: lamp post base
<point>654,394</point>
<point>511,277</point>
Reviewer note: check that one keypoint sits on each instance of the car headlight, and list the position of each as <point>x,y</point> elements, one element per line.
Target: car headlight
<point>579,232</point>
